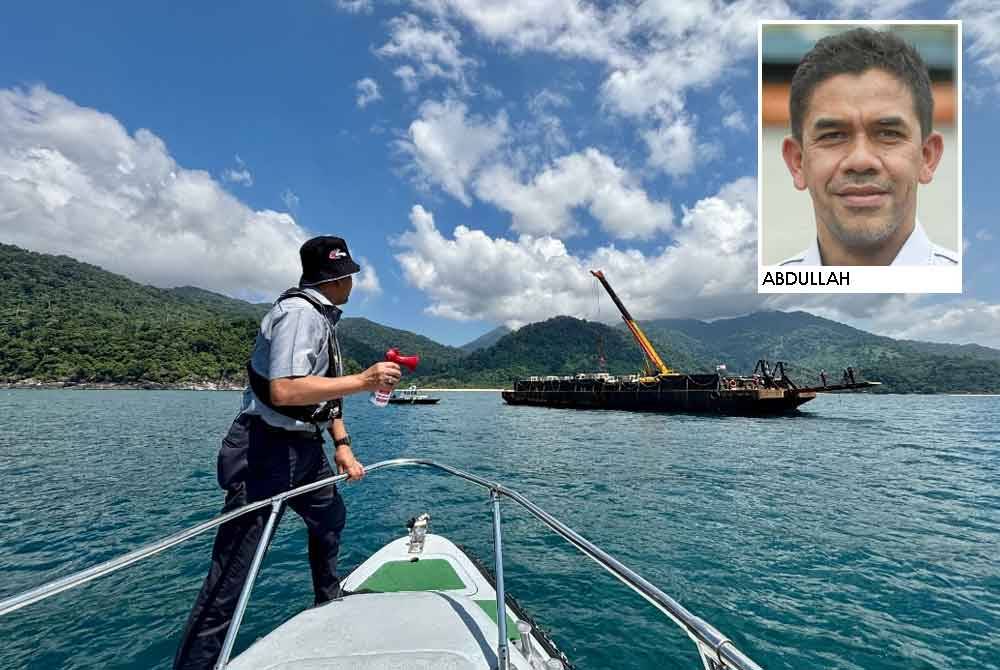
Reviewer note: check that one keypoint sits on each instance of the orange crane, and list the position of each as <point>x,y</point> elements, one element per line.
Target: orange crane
<point>637,333</point>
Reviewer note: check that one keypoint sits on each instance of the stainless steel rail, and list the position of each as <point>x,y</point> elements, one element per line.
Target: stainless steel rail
<point>503,652</point>
<point>717,652</point>
<point>241,604</point>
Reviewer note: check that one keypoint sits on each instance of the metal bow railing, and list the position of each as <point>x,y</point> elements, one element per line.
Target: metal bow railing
<point>717,652</point>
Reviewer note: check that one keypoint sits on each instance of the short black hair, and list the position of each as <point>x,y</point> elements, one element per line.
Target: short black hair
<point>855,52</point>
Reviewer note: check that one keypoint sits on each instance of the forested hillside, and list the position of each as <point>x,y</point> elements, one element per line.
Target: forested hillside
<point>809,344</point>
<point>65,320</point>
<point>62,321</point>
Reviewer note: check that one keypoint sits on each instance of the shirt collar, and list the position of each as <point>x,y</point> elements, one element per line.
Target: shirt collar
<point>318,295</point>
<point>330,311</point>
<point>916,250</point>
<point>811,255</point>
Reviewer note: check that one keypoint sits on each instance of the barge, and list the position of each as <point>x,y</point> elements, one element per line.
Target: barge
<point>669,393</point>
<point>661,389</point>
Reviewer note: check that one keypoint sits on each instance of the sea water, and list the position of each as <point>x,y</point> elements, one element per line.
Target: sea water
<point>863,532</point>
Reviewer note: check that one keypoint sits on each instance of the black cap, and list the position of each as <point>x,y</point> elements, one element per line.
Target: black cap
<point>325,258</point>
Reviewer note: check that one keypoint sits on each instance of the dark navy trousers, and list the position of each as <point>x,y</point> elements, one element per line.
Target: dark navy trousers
<point>257,461</point>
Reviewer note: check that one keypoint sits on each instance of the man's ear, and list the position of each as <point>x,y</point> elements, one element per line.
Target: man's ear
<point>791,151</point>
<point>931,152</point>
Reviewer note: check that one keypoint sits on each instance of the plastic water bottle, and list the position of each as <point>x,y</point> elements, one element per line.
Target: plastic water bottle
<point>380,397</point>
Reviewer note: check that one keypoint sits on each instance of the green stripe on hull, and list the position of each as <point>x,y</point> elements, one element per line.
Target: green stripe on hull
<point>490,607</point>
<point>432,574</point>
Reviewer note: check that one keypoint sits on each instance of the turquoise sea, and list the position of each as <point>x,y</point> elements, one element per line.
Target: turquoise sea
<point>862,533</point>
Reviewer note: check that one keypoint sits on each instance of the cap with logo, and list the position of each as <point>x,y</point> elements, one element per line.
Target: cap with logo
<point>324,259</point>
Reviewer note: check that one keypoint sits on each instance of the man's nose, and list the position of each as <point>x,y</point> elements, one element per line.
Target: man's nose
<point>862,158</point>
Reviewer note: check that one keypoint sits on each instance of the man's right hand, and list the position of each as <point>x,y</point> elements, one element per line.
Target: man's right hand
<point>383,375</point>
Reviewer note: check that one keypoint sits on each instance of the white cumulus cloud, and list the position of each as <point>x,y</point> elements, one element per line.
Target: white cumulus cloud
<point>290,199</point>
<point>368,93</point>
<point>367,281</point>
<point>544,136</point>
<point>733,115</point>
<point>963,321</point>
<point>706,272</point>
<point>674,148</point>
<point>589,179</point>
<point>238,175</point>
<point>474,276</point>
<point>888,9</point>
<point>355,6</point>
<point>734,121</point>
<point>74,181</point>
<point>447,145</point>
<point>981,24</point>
<point>433,50</point>
<point>653,52</point>
<point>567,27</point>
<point>910,317</point>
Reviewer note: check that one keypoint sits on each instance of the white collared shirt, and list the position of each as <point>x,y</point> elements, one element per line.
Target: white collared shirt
<point>917,250</point>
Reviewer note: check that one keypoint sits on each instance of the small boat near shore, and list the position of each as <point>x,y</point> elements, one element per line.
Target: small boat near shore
<point>411,396</point>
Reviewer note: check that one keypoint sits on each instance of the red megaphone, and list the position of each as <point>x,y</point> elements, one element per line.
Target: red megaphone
<point>393,356</point>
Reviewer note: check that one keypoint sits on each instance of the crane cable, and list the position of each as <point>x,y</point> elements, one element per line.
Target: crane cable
<point>602,362</point>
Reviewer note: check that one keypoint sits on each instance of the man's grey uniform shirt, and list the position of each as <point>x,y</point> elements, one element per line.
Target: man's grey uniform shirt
<point>295,340</point>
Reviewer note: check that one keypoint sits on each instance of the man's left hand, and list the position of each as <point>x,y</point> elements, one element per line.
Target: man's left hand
<point>346,462</point>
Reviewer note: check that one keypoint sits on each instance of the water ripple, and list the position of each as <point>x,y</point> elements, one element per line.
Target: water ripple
<point>862,534</point>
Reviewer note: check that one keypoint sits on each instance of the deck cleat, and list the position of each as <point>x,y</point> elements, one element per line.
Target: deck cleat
<point>418,526</point>
<point>524,629</point>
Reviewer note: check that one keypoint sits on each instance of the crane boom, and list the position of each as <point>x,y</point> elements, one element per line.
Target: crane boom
<point>640,337</point>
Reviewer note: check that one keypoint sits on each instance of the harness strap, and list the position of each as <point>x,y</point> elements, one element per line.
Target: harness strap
<point>261,385</point>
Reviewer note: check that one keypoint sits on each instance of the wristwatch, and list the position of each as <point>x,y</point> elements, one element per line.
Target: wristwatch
<point>341,441</point>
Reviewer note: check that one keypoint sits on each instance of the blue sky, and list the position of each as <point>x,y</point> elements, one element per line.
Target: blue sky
<point>479,160</point>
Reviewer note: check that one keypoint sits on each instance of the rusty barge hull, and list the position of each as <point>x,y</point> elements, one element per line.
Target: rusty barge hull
<point>701,393</point>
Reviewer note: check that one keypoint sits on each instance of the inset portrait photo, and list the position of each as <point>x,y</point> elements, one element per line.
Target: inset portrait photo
<point>859,157</point>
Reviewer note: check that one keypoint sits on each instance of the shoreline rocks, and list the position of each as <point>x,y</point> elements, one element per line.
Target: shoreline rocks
<point>130,386</point>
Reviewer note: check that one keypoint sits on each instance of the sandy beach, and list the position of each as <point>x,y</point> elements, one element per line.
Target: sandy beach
<point>461,390</point>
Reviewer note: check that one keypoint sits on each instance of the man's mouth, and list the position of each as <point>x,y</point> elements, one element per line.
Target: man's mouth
<point>863,196</point>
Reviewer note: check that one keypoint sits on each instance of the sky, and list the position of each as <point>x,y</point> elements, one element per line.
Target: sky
<point>479,157</point>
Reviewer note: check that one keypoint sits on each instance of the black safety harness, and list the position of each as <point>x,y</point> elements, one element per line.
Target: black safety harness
<point>261,385</point>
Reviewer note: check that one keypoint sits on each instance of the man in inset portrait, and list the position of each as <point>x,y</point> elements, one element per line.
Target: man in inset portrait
<point>861,111</point>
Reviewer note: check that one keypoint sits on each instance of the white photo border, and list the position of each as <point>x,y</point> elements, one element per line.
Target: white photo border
<point>860,279</point>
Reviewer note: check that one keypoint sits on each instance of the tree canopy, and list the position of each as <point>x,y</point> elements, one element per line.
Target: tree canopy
<point>63,321</point>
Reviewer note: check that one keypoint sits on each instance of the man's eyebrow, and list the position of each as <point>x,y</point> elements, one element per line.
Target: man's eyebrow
<point>824,122</point>
<point>890,121</point>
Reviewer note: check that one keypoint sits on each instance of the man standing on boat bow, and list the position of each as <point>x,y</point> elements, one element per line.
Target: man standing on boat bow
<point>276,442</point>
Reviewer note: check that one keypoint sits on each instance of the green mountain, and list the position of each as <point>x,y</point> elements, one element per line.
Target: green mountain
<point>365,342</point>
<point>809,344</point>
<point>970,350</point>
<point>487,340</point>
<point>70,322</point>
<point>560,346</point>
<point>63,320</point>
<point>220,304</point>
